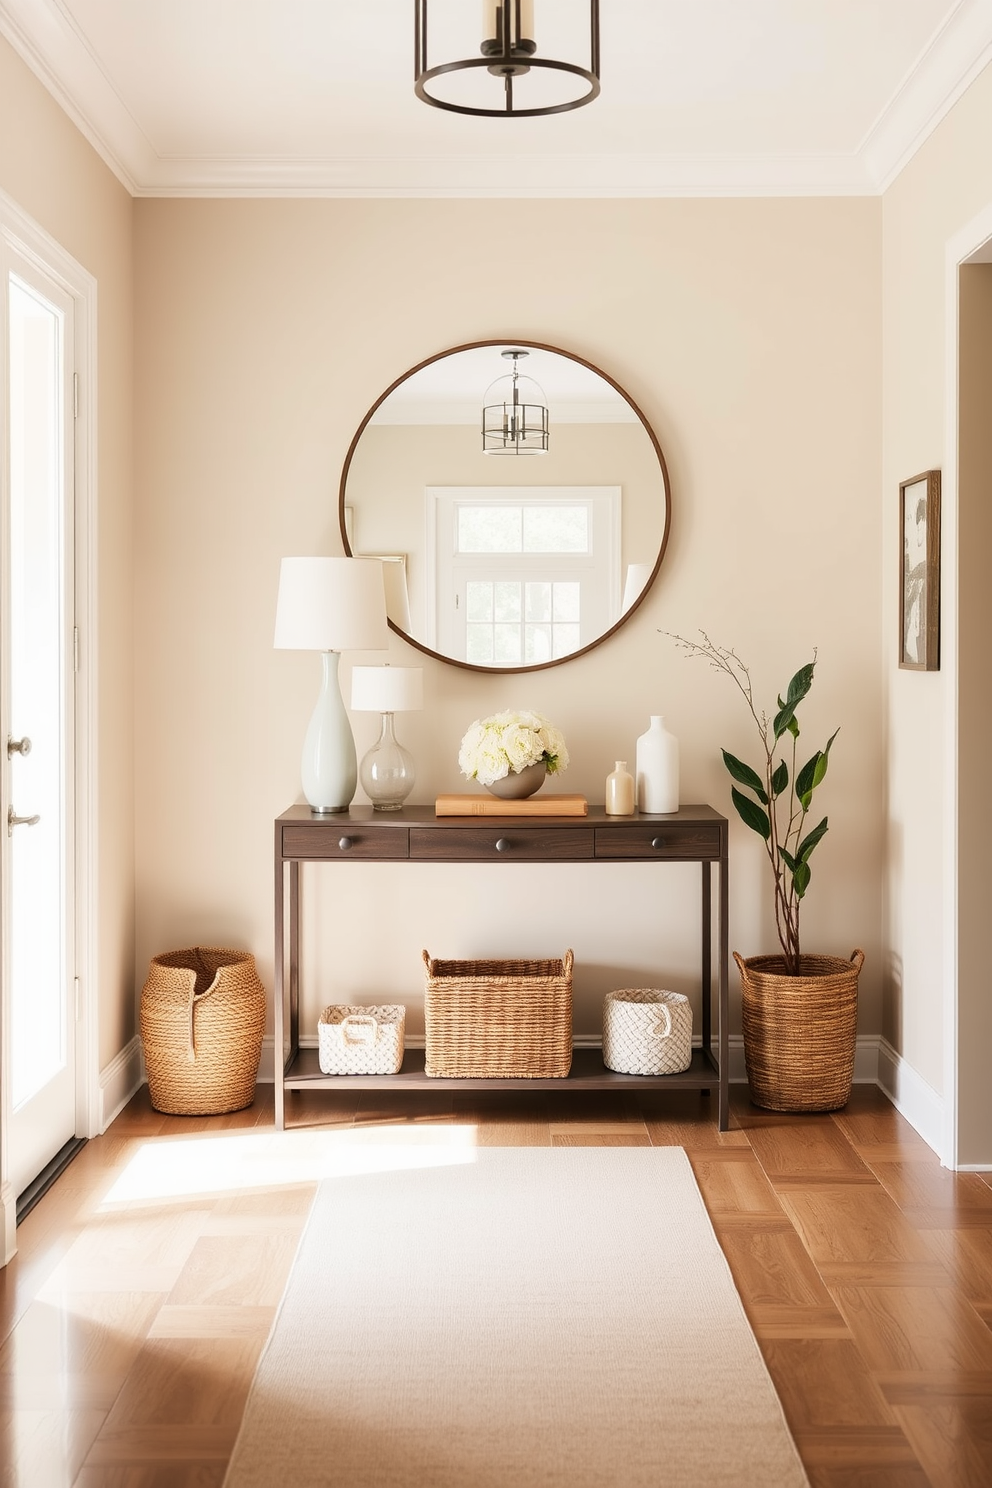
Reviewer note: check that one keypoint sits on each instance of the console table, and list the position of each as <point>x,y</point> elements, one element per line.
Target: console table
<point>694,834</point>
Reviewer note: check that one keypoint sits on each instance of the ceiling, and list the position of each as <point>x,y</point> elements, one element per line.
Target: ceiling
<point>315,97</point>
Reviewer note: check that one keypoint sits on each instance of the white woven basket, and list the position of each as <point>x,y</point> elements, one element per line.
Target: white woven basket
<point>361,1040</point>
<point>646,1032</point>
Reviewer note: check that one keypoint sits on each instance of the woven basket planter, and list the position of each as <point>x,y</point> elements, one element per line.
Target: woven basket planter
<point>202,1020</point>
<point>491,1019</point>
<point>800,1031</point>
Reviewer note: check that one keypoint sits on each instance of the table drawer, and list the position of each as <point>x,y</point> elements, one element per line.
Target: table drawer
<point>481,844</point>
<point>659,841</point>
<point>345,840</point>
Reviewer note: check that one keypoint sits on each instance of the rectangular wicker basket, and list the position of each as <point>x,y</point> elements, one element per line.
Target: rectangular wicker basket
<point>361,1040</point>
<point>498,1019</point>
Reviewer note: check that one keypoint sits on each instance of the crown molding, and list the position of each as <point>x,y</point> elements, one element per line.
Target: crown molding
<point>954,57</point>
<point>45,38</point>
<point>44,35</point>
<point>531,176</point>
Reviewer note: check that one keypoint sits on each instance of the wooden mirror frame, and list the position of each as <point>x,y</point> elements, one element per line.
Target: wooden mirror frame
<point>539,666</point>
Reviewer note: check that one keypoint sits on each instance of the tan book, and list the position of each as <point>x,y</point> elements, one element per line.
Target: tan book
<point>496,806</point>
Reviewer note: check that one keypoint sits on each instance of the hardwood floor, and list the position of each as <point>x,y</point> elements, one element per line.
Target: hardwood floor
<point>148,1277</point>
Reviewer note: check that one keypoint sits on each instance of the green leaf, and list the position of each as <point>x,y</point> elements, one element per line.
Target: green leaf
<point>780,779</point>
<point>785,718</point>
<point>801,879</point>
<point>806,779</point>
<point>810,840</point>
<point>751,815</point>
<point>787,859</point>
<point>745,775</point>
<point>800,685</point>
<point>821,767</point>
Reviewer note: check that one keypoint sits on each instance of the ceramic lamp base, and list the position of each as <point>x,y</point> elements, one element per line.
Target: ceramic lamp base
<point>330,764</point>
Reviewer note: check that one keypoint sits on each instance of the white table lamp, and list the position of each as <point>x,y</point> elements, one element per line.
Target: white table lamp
<point>330,605</point>
<point>387,772</point>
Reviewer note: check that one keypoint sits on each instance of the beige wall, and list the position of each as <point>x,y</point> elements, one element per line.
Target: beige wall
<point>749,334</point>
<point>946,185</point>
<point>55,177</point>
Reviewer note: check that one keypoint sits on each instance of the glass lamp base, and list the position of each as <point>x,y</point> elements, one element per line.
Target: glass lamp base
<point>387,772</point>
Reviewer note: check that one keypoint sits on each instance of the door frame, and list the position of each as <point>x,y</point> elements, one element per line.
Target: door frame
<point>19,232</point>
<point>970,241</point>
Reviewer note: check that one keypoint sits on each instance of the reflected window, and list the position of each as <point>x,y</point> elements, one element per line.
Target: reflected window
<point>525,576</point>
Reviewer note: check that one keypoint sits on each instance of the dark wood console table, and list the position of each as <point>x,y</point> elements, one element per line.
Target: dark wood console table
<point>694,834</point>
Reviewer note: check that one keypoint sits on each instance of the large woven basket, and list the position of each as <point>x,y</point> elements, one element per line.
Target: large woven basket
<point>509,1019</point>
<point>800,1032</point>
<point>202,1021</point>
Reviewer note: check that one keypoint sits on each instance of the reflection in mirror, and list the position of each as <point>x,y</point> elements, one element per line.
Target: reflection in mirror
<point>510,563</point>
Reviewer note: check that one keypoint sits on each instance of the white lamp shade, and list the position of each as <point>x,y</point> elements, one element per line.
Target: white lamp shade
<point>387,689</point>
<point>397,594</point>
<point>331,604</point>
<point>637,576</point>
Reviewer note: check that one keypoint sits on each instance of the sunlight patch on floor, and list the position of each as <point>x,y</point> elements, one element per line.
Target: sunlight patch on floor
<point>166,1170</point>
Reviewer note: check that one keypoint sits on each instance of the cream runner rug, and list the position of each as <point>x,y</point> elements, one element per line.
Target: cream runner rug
<point>531,1318</point>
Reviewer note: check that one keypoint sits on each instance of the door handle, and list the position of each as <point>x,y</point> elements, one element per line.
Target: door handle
<point>18,746</point>
<point>13,820</point>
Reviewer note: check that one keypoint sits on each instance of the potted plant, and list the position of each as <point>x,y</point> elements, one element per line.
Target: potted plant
<point>799,1011</point>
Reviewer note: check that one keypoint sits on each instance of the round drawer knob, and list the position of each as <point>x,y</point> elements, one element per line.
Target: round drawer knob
<point>344,843</point>
<point>503,844</point>
<point>657,841</point>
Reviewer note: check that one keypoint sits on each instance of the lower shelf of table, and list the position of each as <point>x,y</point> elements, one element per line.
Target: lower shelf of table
<point>588,1072</point>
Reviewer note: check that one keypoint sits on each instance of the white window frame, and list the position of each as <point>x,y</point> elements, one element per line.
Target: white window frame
<point>447,570</point>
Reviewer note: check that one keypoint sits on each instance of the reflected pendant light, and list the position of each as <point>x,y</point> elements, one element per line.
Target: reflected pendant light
<point>514,413</point>
<point>508,53</point>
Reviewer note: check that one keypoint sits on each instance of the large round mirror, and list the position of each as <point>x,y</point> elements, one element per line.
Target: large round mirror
<point>519,500</point>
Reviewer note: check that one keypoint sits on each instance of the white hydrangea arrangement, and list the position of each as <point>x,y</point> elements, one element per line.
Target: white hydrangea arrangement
<point>508,742</point>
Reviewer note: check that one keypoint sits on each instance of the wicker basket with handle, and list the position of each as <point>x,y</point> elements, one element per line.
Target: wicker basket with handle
<point>800,1032</point>
<point>647,1031</point>
<point>202,1021</point>
<point>509,1019</point>
<point>361,1040</point>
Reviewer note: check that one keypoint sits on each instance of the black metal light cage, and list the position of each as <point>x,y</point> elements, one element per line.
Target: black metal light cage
<point>506,64</point>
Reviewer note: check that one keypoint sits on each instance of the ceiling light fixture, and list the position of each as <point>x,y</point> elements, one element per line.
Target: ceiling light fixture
<point>508,52</point>
<point>515,413</point>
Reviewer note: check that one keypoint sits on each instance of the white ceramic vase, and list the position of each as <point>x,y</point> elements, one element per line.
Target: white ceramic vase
<point>657,769</point>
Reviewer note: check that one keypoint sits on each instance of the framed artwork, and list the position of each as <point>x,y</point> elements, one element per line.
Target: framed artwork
<point>919,572</point>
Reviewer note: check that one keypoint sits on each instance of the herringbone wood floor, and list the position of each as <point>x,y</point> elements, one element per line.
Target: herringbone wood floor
<point>132,1324</point>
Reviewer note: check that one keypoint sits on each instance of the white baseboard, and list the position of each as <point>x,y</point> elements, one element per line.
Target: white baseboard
<point>123,1076</point>
<point>912,1097</point>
